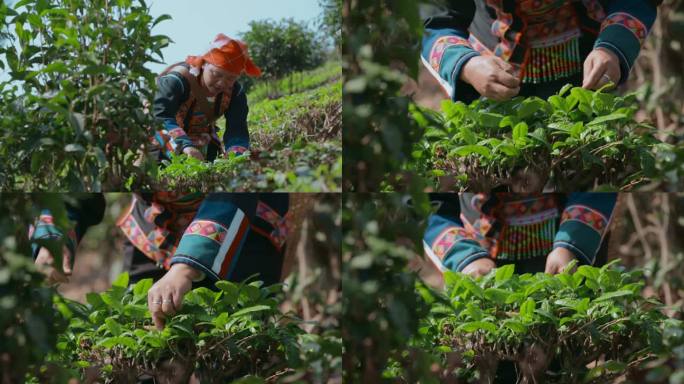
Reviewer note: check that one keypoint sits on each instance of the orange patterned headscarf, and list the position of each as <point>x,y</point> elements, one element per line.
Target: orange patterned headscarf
<point>228,54</point>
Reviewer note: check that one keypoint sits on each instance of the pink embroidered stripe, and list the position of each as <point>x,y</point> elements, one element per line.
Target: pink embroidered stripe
<point>585,215</point>
<point>441,45</point>
<point>447,239</point>
<point>629,22</point>
<point>177,132</point>
<point>209,229</point>
<point>45,220</point>
<point>237,149</point>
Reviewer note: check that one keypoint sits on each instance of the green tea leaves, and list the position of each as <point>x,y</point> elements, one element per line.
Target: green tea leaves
<point>569,317</point>
<point>478,326</point>
<point>527,310</point>
<point>504,273</point>
<point>574,131</point>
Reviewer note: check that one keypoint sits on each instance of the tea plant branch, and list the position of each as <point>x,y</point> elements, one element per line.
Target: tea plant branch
<point>638,226</point>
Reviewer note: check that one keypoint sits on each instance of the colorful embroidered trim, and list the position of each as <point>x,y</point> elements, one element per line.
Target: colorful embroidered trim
<point>237,149</point>
<point>209,229</point>
<point>183,111</point>
<point>500,28</point>
<point>538,217</point>
<point>519,242</point>
<point>627,21</point>
<point>231,244</point>
<point>46,220</point>
<point>441,45</point>
<point>447,239</point>
<point>148,244</point>
<point>177,132</point>
<point>585,215</point>
<point>281,225</point>
<point>528,206</point>
<point>553,63</point>
<point>552,35</point>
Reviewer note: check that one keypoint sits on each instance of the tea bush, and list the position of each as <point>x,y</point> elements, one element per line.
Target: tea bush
<point>73,105</point>
<point>575,140</point>
<point>551,327</point>
<point>282,47</point>
<point>380,306</point>
<point>378,51</point>
<point>30,325</point>
<point>234,333</point>
<point>28,321</point>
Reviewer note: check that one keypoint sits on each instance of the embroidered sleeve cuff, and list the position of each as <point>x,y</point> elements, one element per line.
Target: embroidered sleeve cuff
<point>453,248</point>
<point>213,246</point>
<point>180,138</point>
<point>623,34</point>
<point>236,149</point>
<point>46,229</point>
<point>581,231</point>
<point>444,61</point>
<point>469,259</point>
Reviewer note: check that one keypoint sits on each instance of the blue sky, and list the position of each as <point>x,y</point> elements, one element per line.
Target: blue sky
<point>195,23</point>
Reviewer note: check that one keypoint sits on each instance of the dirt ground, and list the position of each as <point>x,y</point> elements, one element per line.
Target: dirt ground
<point>425,92</point>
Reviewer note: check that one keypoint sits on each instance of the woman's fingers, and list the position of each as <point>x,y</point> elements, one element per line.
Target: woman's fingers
<point>550,268</point>
<point>177,300</point>
<point>593,71</point>
<point>167,304</point>
<point>500,92</point>
<point>591,81</point>
<point>154,303</point>
<point>508,80</point>
<point>503,64</point>
<point>66,261</point>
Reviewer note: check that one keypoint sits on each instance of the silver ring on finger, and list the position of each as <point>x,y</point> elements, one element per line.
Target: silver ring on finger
<point>157,302</point>
<point>606,78</point>
<point>167,301</point>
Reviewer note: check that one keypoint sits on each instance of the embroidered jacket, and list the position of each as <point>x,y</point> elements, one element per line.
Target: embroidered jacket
<point>189,121</point>
<point>543,40</point>
<point>515,227</point>
<point>208,232</point>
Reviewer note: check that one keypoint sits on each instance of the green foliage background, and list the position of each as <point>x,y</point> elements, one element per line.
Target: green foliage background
<point>73,107</point>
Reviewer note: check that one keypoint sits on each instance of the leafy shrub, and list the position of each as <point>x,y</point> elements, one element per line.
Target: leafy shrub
<point>551,327</point>
<point>28,321</point>
<point>579,141</point>
<point>304,167</point>
<point>282,47</point>
<point>380,307</point>
<point>233,333</point>
<point>378,50</point>
<point>73,108</point>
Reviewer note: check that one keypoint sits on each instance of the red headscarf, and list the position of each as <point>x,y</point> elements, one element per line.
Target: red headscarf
<point>228,54</point>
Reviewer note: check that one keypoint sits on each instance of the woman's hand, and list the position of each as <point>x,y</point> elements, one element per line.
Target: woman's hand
<point>600,68</point>
<point>557,260</point>
<point>165,297</point>
<point>194,152</point>
<point>479,267</point>
<point>491,76</point>
<point>45,264</point>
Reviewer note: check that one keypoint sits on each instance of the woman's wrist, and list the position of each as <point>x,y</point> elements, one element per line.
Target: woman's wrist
<point>186,271</point>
